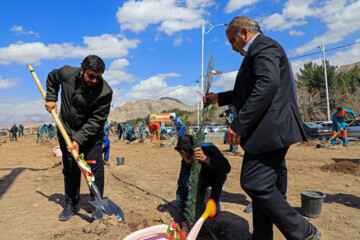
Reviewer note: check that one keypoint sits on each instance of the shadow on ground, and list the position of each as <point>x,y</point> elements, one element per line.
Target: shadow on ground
<point>7,180</point>
<point>234,198</point>
<point>348,200</point>
<point>84,204</point>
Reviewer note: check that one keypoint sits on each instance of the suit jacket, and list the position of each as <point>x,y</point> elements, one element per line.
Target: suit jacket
<point>267,117</point>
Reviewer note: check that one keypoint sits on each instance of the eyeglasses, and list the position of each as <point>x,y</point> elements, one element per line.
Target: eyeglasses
<point>92,76</point>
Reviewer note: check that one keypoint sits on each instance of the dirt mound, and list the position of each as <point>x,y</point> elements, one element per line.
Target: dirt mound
<point>347,167</point>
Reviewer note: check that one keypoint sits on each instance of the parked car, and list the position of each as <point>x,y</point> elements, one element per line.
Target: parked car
<point>314,131</point>
<point>222,128</point>
<point>327,124</point>
<point>353,130</point>
<point>211,129</point>
<point>215,129</point>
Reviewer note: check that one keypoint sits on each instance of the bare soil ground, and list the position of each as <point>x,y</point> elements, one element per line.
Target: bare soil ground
<point>32,191</point>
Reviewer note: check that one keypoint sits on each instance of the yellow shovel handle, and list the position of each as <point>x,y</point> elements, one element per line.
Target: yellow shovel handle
<point>56,117</point>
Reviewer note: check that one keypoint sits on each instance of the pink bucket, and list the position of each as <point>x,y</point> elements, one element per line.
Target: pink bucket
<point>57,151</point>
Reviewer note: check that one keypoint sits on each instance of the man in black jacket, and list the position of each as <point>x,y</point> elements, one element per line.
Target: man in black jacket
<point>13,131</point>
<point>85,106</point>
<point>266,123</point>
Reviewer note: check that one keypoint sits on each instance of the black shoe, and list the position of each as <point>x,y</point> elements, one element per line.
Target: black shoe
<point>96,213</point>
<point>67,213</point>
<point>315,234</point>
<point>248,208</point>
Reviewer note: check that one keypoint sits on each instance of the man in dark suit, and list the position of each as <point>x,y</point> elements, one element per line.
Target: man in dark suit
<point>266,123</point>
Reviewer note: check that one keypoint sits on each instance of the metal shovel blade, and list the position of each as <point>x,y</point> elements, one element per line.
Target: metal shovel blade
<point>105,205</point>
<point>109,208</point>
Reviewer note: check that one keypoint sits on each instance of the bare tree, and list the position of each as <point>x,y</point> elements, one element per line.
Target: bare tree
<point>311,106</point>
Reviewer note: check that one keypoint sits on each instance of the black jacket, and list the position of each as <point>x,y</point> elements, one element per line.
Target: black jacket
<point>84,110</point>
<point>13,129</point>
<point>267,116</point>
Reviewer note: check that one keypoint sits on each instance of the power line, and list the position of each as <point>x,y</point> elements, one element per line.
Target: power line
<point>305,55</point>
<point>196,79</point>
<point>328,50</point>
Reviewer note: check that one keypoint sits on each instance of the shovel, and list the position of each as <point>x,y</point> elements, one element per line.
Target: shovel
<point>104,204</point>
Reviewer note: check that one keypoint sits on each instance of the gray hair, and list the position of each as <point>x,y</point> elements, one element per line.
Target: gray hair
<point>239,22</point>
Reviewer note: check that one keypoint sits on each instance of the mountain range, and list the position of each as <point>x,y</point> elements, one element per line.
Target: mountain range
<point>130,110</point>
<point>141,108</point>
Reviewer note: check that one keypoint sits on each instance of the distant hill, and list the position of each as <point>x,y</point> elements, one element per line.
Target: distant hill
<point>169,98</point>
<point>349,67</point>
<point>141,108</point>
<point>25,119</point>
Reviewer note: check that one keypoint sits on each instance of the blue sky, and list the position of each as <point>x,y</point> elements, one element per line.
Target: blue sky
<point>152,48</point>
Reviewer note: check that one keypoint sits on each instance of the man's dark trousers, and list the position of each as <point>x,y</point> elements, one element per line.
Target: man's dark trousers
<point>72,174</point>
<point>259,175</point>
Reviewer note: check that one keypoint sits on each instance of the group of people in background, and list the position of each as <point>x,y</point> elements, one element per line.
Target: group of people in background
<point>47,130</point>
<point>14,130</point>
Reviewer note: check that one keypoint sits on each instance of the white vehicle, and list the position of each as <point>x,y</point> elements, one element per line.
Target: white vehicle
<point>222,128</point>
<point>211,129</point>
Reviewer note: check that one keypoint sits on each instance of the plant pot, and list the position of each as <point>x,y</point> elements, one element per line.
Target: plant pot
<point>311,202</point>
<point>120,160</point>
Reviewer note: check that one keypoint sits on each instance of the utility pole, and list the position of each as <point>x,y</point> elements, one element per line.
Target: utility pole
<point>203,32</point>
<point>198,103</point>
<point>326,83</point>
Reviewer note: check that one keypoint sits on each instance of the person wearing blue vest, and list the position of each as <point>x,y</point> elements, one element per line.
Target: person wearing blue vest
<point>339,124</point>
<point>106,149</point>
<point>179,124</point>
<point>214,170</point>
<point>229,115</point>
<point>164,134</point>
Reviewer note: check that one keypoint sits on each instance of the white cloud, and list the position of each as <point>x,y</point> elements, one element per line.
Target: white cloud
<point>172,15</point>
<point>178,41</point>
<point>234,5</point>
<point>336,14</point>
<point>278,22</point>
<point>199,3</point>
<point>8,83</point>
<point>21,30</point>
<point>26,107</point>
<point>215,39</point>
<point>156,87</point>
<point>345,57</point>
<point>151,87</point>
<point>296,33</point>
<point>346,18</point>
<point>106,46</point>
<point>351,55</point>
<point>226,80</point>
<point>116,74</point>
<point>114,77</point>
<point>300,9</point>
<point>119,64</point>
